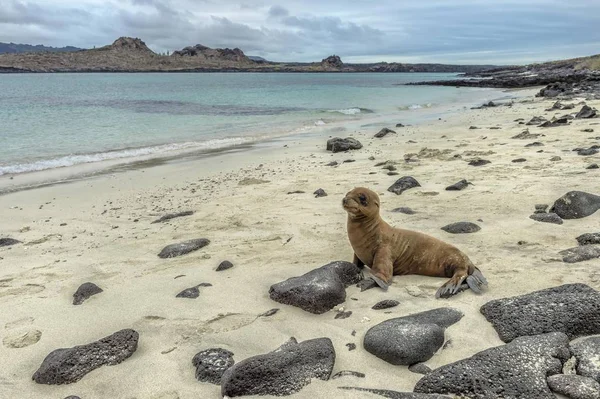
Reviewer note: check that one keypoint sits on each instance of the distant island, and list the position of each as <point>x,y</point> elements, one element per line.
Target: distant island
<point>12,48</point>
<point>128,54</point>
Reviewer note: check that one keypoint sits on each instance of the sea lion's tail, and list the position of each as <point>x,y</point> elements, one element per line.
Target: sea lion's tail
<point>476,281</point>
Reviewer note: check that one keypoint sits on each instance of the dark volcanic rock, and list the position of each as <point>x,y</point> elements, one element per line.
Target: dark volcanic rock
<point>536,120</point>
<point>338,144</point>
<point>559,106</point>
<point>343,315</point>
<point>211,364</point>
<point>405,210</point>
<point>347,373</point>
<point>182,248</point>
<point>410,339</point>
<point>525,135</point>
<point>576,205</point>
<point>318,290</point>
<point>419,368</point>
<point>573,309</point>
<point>269,313</point>
<point>332,163</point>
<point>587,353</point>
<point>384,132</point>
<point>72,397</point>
<point>555,122</point>
<point>541,208</point>
<point>584,152</point>
<point>586,112</point>
<point>68,365</point>
<point>574,386</point>
<point>479,162</point>
<point>85,291</point>
<point>386,393</point>
<point>320,193</point>
<point>517,370</point>
<point>461,228</point>
<point>519,160</point>
<point>224,266</point>
<point>534,144</point>
<point>589,238</point>
<point>402,184</point>
<point>173,216</point>
<point>546,218</point>
<point>5,242</point>
<point>581,253</point>
<point>461,185</point>
<point>190,293</point>
<point>282,372</point>
<point>385,304</point>
<point>593,166</point>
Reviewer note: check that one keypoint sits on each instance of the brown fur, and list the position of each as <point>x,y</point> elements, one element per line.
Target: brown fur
<point>391,251</point>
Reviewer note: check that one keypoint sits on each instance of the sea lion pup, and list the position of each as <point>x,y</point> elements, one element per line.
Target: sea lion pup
<point>389,251</point>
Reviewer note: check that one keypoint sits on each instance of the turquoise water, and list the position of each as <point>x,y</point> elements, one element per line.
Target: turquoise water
<point>56,120</point>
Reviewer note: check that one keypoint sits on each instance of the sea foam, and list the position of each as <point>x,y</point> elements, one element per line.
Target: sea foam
<point>77,159</point>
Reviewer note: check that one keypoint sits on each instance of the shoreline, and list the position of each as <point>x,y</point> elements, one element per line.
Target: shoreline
<point>89,170</point>
<point>99,230</point>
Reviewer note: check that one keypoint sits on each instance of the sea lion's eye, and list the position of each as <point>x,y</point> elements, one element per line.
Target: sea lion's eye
<point>363,199</point>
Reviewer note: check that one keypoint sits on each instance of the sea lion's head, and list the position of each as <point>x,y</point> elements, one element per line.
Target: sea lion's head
<point>361,203</point>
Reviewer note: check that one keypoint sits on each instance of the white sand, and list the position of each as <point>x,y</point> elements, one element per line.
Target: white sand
<point>251,225</point>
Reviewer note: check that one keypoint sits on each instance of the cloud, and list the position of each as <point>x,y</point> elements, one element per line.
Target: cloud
<point>473,31</point>
<point>278,11</point>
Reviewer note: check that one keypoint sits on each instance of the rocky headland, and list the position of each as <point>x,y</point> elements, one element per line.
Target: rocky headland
<point>128,54</point>
<point>565,78</point>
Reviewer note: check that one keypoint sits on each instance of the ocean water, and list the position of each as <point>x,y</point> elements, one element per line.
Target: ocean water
<point>57,120</point>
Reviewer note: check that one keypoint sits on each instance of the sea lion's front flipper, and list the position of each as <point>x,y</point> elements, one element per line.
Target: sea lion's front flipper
<point>382,268</point>
<point>366,284</point>
<point>382,284</point>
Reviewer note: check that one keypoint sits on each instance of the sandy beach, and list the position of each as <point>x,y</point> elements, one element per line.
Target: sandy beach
<point>99,230</point>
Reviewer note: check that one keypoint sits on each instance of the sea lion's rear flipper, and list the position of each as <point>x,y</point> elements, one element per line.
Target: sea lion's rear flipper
<point>476,281</point>
<point>452,287</point>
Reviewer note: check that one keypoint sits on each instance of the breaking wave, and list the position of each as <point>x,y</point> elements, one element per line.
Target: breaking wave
<point>76,159</point>
<point>352,111</point>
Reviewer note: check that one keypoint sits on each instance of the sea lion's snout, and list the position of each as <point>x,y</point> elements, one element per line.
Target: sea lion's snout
<point>361,202</point>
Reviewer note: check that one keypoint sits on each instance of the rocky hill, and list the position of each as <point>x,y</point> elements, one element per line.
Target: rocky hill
<point>128,54</point>
<point>213,55</point>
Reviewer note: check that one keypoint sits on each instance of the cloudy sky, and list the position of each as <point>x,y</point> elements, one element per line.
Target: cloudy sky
<point>451,31</point>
